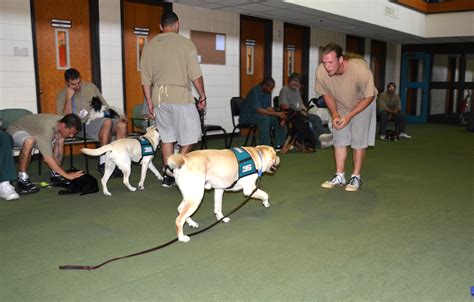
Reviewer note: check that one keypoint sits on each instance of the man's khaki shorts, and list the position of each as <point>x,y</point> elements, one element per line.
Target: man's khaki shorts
<point>360,132</point>
<point>178,123</point>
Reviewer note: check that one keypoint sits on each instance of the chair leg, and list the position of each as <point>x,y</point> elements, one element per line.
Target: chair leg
<point>247,137</point>
<point>71,164</point>
<point>40,159</point>
<point>203,140</point>
<point>231,138</point>
<point>225,137</point>
<point>254,136</point>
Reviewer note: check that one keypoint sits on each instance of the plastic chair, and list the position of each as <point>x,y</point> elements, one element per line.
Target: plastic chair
<point>80,138</point>
<point>235,105</point>
<point>207,128</point>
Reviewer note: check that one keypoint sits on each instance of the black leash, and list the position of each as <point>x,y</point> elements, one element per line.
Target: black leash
<point>90,268</point>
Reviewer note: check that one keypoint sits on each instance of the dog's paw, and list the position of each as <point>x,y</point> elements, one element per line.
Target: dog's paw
<point>192,224</point>
<point>133,189</point>
<point>107,194</point>
<point>224,219</point>
<point>266,203</point>
<point>141,187</point>
<point>184,238</point>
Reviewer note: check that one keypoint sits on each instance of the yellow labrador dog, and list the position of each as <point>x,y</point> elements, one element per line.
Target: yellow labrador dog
<point>218,170</point>
<point>123,151</point>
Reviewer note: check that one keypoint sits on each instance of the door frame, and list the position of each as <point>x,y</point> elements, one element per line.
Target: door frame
<point>424,84</point>
<point>95,47</point>
<point>304,57</point>
<point>167,7</point>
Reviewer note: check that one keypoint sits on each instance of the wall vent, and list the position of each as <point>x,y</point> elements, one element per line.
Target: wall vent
<point>391,12</point>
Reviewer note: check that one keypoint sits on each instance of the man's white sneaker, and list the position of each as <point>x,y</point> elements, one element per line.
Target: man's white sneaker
<point>354,184</point>
<point>325,137</point>
<point>325,145</point>
<point>7,191</point>
<point>404,135</point>
<point>336,181</point>
<point>382,137</point>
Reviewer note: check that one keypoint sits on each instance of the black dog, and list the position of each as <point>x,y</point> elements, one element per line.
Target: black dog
<point>101,110</point>
<point>300,133</point>
<point>85,184</point>
<point>391,135</point>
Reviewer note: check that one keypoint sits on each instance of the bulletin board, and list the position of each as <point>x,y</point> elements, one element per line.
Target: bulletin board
<point>210,47</point>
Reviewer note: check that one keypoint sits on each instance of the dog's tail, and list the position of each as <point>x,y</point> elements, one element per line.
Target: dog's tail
<point>98,151</point>
<point>176,161</point>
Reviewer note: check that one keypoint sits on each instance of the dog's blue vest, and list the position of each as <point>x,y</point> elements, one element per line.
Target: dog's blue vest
<point>246,163</point>
<point>147,148</point>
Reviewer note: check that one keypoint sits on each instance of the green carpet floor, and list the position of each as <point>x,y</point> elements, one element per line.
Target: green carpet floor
<point>408,235</point>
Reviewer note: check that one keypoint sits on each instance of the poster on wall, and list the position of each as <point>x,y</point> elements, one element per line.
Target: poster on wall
<point>250,56</point>
<point>291,58</point>
<point>141,42</point>
<point>62,48</point>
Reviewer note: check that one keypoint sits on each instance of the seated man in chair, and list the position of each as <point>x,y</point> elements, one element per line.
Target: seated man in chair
<point>47,132</point>
<point>7,168</point>
<point>290,98</point>
<point>389,105</point>
<point>76,98</point>
<point>257,109</point>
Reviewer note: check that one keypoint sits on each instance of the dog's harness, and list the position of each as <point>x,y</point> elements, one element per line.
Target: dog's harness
<point>147,148</point>
<point>246,164</point>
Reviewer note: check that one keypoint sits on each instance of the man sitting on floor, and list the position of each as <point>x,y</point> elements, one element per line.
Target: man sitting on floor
<point>47,132</point>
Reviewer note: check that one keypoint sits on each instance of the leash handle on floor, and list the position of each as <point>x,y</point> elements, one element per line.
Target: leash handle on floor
<point>91,268</point>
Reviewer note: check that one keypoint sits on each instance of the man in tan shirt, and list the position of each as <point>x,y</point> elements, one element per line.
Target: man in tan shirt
<point>47,132</point>
<point>348,88</point>
<point>76,98</point>
<point>168,67</point>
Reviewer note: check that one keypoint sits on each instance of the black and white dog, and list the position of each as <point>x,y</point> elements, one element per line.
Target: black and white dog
<point>99,110</point>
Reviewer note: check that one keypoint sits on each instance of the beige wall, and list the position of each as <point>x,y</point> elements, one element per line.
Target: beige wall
<point>17,77</point>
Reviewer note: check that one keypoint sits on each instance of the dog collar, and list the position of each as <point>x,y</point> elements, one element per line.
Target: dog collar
<point>246,163</point>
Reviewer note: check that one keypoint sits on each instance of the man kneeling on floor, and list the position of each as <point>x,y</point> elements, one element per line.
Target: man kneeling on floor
<point>47,132</point>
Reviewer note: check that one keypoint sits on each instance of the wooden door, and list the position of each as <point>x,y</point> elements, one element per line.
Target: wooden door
<point>252,53</point>
<point>59,48</point>
<point>378,54</point>
<point>296,54</point>
<point>355,45</point>
<point>138,19</point>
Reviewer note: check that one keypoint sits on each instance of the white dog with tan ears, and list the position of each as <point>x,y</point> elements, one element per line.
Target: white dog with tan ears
<point>235,169</point>
<point>123,151</point>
